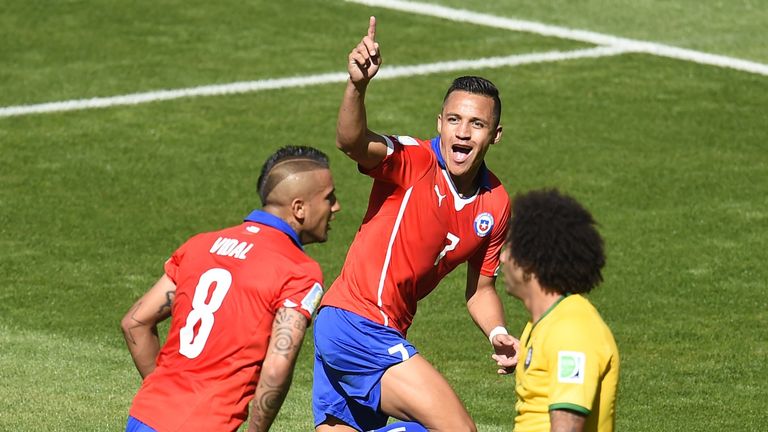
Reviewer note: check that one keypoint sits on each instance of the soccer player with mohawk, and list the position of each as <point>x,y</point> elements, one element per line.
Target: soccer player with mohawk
<point>240,300</point>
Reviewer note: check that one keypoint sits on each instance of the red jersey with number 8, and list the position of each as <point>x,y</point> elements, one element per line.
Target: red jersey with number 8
<point>229,286</point>
<point>416,230</point>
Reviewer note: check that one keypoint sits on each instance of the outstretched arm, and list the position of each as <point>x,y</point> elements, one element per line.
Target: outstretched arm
<point>352,134</point>
<point>287,334</point>
<point>486,310</point>
<point>140,324</point>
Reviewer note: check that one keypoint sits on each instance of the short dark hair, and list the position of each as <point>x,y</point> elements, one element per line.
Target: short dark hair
<point>300,154</point>
<point>479,86</point>
<point>552,236</point>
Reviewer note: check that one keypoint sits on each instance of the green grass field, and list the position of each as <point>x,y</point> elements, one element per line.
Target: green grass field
<point>671,157</point>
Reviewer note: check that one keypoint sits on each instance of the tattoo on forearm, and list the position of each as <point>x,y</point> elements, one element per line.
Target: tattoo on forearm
<point>265,407</point>
<point>256,422</point>
<point>270,401</point>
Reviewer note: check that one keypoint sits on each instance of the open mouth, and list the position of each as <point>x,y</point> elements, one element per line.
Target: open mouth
<point>460,153</point>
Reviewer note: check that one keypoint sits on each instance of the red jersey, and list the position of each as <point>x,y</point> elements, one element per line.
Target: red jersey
<point>229,286</point>
<point>416,230</point>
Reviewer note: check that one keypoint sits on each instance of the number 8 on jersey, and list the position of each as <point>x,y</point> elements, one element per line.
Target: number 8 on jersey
<point>189,345</point>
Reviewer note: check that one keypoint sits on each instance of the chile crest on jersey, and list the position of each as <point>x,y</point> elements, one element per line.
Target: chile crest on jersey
<point>483,224</point>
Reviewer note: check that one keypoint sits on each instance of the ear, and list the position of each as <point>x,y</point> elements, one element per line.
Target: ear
<point>497,138</point>
<point>439,123</point>
<point>298,209</point>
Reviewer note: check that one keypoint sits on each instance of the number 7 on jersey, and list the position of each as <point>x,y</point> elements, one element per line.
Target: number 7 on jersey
<point>454,241</point>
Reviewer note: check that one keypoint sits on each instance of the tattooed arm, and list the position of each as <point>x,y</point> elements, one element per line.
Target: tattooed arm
<point>140,324</point>
<point>287,333</point>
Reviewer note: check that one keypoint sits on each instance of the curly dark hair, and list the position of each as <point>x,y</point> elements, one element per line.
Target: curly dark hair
<point>480,86</point>
<point>552,236</point>
<point>303,157</point>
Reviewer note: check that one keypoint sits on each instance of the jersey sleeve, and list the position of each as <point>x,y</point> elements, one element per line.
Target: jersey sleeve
<point>486,259</point>
<point>173,263</point>
<point>407,160</point>
<point>574,366</point>
<point>302,290</point>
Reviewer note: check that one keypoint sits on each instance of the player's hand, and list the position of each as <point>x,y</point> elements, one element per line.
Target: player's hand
<point>365,58</point>
<point>506,350</point>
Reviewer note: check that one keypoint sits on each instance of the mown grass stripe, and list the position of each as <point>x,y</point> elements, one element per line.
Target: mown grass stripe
<point>303,81</point>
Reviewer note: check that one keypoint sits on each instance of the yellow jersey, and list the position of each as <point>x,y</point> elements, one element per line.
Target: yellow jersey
<point>569,360</point>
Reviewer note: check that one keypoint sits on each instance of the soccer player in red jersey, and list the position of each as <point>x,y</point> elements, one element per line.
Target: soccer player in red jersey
<point>239,300</point>
<point>434,205</point>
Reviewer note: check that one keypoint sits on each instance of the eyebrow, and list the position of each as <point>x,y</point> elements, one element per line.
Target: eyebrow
<point>452,113</point>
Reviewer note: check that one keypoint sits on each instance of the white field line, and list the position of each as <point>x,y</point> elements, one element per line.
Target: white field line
<point>389,72</point>
<point>608,45</point>
<point>630,45</point>
<point>160,95</point>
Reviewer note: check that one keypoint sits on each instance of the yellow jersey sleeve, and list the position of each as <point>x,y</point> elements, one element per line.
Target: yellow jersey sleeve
<point>574,350</point>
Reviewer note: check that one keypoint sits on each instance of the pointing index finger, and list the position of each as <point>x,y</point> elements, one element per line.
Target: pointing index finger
<point>372,28</point>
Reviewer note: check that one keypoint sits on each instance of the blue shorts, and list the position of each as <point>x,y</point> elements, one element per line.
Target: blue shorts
<point>136,425</point>
<point>351,355</point>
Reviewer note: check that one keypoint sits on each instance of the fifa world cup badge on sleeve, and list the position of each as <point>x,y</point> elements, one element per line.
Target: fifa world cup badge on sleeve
<point>570,367</point>
<point>312,299</point>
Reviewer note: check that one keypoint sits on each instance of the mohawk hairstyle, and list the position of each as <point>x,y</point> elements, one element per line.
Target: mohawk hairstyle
<point>296,159</point>
<point>552,236</point>
<point>479,86</point>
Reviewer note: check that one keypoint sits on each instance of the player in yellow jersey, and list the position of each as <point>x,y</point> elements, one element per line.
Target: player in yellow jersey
<point>568,372</point>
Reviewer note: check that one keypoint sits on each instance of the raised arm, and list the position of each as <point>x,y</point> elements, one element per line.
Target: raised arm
<point>287,333</point>
<point>352,134</point>
<point>486,310</point>
<point>140,324</point>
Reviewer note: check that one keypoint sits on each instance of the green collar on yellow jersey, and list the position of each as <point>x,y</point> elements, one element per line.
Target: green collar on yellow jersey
<point>551,308</point>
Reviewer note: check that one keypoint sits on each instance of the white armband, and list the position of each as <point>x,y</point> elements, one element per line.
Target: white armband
<point>497,331</point>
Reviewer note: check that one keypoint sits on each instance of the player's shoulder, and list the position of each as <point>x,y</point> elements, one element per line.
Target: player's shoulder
<point>577,304</point>
<point>408,143</point>
<point>209,237</point>
<point>199,238</point>
<point>267,240</point>
<point>217,232</point>
<point>310,267</point>
<point>576,313</point>
<point>495,197</point>
<point>303,277</point>
<point>578,324</point>
<point>495,186</point>
<point>290,258</point>
<point>274,248</point>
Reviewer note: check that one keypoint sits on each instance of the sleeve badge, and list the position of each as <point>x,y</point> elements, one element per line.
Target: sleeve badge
<point>311,301</point>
